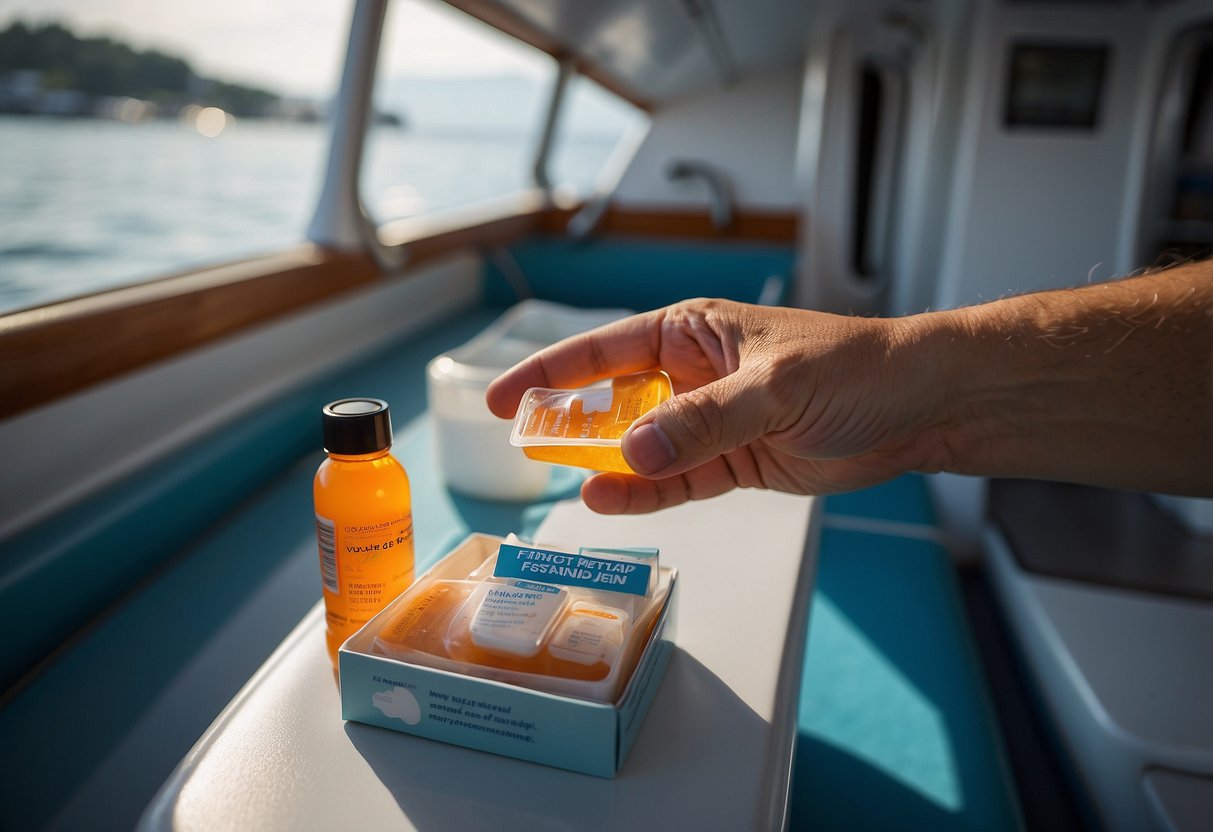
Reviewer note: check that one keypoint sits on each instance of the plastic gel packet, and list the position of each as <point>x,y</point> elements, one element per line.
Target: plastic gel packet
<point>555,619</point>
<point>585,427</point>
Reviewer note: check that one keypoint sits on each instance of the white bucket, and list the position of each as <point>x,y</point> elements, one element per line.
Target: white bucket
<point>473,446</point>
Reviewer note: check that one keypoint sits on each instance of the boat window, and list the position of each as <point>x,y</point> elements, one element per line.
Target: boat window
<point>870,111</point>
<point>593,124</point>
<point>140,142</point>
<point>881,103</point>
<point>459,111</point>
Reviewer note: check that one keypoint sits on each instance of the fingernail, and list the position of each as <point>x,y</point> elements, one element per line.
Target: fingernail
<point>649,449</point>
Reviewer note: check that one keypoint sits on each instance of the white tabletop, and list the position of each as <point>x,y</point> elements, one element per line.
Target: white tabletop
<point>714,751</point>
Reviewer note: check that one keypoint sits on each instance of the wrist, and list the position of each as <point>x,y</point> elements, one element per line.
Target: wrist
<point>963,407</point>
<point>1107,384</point>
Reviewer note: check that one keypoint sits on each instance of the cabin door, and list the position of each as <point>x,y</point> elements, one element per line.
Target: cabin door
<point>851,154</point>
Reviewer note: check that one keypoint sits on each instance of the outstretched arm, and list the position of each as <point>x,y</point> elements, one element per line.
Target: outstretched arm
<point>1108,384</point>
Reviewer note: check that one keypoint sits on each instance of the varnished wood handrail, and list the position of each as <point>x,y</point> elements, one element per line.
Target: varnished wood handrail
<point>751,225</point>
<point>62,348</point>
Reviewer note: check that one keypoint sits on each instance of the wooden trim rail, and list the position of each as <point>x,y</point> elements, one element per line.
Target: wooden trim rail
<point>685,223</point>
<point>62,348</point>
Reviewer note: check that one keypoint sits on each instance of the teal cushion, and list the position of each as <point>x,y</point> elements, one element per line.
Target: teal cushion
<point>904,499</point>
<point>896,730</point>
<point>94,552</point>
<point>639,274</point>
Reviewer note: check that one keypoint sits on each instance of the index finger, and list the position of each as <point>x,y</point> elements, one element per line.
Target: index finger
<point>618,348</point>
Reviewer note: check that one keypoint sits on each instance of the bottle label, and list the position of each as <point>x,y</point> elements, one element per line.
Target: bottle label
<point>326,536</point>
<point>363,566</point>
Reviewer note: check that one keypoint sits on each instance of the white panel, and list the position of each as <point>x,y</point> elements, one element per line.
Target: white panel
<point>937,83</point>
<point>1040,208</point>
<point>1185,801</point>
<point>915,59</point>
<point>714,751</point>
<point>70,448</point>
<point>828,147</point>
<point>748,131</point>
<point>1125,677</point>
<point>1195,513</point>
<point>656,49</point>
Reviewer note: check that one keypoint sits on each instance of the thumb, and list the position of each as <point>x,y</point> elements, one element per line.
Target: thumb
<point>697,426</point>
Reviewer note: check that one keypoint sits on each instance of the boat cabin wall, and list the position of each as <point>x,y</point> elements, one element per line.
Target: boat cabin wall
<point>982,206</point>
<point>1037,207</point>
<point>76,447</point>
<point>745,131</point>
<point>1044,207</point>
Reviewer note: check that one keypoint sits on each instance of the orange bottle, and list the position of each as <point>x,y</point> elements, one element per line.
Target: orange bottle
<point>364,518</point>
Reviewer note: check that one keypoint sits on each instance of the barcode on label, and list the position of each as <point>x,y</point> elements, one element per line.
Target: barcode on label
<point>326,535</point>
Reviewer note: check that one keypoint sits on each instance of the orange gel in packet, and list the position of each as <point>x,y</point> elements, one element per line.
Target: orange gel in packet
<point>585,427</point>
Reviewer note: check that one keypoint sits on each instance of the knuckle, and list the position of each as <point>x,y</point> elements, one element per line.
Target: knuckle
<point>697,308</point>
<point>771,394</point>
<point>697,417</point>
<point>776,382</point>
<point>682,311</point>
<point>697,303</point>
<point>714,309</point>
<point>599,362</point>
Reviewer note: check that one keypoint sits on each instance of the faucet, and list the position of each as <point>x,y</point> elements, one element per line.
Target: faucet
<point>719,187</point>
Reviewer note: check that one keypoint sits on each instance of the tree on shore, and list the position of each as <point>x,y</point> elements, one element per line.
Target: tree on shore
<point>101,66</point>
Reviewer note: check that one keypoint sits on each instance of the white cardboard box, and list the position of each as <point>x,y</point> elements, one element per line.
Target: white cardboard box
<point>563,731</point>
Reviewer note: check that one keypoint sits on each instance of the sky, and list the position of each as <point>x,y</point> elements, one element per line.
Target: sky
<point>291,46</point>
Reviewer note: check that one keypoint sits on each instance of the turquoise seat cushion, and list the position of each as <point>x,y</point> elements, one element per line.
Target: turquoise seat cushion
<point>904,499</point>
<point>94,552</point>
<point>896,731</point>
<point>636,274</point>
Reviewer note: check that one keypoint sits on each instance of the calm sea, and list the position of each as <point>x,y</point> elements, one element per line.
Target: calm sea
<point>88,205</point>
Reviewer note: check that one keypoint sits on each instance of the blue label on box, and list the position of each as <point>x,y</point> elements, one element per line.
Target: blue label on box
<point>553,567</point>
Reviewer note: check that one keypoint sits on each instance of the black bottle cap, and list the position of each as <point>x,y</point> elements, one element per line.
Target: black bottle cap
<point>357,426</point>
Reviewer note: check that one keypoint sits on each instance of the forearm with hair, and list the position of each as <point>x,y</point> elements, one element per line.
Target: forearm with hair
<point>1108,384</point>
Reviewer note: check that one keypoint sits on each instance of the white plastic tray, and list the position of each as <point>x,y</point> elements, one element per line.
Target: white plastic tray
<point>714,752</point>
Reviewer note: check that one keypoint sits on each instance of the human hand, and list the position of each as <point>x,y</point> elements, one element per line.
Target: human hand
<point>787,399</point>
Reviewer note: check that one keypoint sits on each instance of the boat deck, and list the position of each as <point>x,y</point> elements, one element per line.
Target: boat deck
<point>894,719</point>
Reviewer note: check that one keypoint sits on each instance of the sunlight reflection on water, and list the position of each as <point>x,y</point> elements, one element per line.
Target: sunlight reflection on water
<point>93,204</point>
